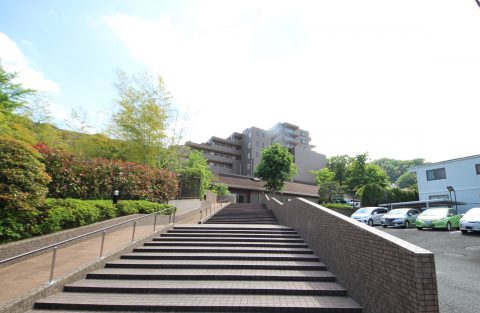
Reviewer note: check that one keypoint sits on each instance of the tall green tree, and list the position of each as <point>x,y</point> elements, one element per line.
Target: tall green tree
<point>196,166</point>
<point>276,167</point>
<point>12,95</point>
<point>339,165</point>
<point>396,168</point>
<point>361,173</point>
<point>323,175</point>
<point>142,119</point>
<point>407,180</point>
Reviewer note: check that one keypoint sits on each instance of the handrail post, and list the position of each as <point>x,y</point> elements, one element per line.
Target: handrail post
<point>52,268</point>
<point>103,242</point>
<point>133,232</point>
<point>170,218</point>
<point>154,222</point>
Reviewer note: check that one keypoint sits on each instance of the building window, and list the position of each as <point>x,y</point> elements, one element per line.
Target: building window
<point>303,134</point>
<point>248,166</point>
<point>303,141</point>
<point>249,145</point>
<point>263,145</point>
<point>249,134</point>
<point>438,197</point>
<point>248,156</point>
<point>477,167</point>
<point>256,153</point>
<point>256,143</point>
<point>438,173</point>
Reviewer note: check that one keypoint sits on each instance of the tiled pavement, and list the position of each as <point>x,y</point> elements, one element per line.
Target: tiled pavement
<point>211,268</point>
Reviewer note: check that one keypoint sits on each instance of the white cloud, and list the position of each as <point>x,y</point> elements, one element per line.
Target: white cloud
<point>13,60</point>
<point>393,79</point>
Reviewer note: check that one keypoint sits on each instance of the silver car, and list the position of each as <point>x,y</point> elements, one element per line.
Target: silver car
<point>400,218</point>
<point>470,221</point>
<point>369,215</point>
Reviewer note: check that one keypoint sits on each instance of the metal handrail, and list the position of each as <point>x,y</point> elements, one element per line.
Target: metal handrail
<point>54,245</point>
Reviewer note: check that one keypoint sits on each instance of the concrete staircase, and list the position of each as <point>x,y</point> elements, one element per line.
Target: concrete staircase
<point>211,268</point>
<point>244,213</point>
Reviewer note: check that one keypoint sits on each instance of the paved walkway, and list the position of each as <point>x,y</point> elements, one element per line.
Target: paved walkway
<point>24,276</point>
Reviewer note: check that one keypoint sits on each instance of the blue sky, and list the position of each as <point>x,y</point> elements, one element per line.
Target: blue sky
<point>396,79</point>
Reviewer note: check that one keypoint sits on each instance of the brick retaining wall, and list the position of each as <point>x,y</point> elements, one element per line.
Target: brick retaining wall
<point>381,272</point>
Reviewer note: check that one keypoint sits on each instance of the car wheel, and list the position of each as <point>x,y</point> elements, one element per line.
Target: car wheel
<point>407,224</point>
<point>419,228</point>
<point>464,231</point>
<point>449,226</point>
<point>370,222</point>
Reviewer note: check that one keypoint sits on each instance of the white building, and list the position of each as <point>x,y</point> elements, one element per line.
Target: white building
<point>462,175</point>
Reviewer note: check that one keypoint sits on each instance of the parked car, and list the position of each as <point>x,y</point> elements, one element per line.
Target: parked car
<point>438,218</point>
<point>400,218</point>
<point>470,221</point>
<point>369,215</point>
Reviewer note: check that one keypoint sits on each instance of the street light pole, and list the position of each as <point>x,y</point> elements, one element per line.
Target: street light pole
<point>450,189</point>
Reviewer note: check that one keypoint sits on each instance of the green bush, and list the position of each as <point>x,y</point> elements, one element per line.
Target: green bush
<point>338,206</point>
<point>23,187</point>
<point>145,207</point>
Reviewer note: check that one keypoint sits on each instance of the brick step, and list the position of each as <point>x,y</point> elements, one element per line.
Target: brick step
<point>222,256</point>
<point>242,222</point>
<point>218,264</point>
<point>230,235</point>
<point>207,286</point>
<point>187,302</point>
<point>220,226</point>
<point>230,239</point>
<point>217,220</point>
<point>210,274</point>
<point>232,230</point>
<point>213,249</point>
<point>226,244</point>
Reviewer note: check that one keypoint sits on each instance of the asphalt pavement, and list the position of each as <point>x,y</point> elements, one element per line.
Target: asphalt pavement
<point>457,261</point>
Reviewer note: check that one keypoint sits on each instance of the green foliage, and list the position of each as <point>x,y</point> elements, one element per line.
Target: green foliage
<point>360,173</point>
<point>220,189</point>
<point>142,118</point>
<point>401,195</point>
<point>276,167</point>
<point>12,95</point>
<point>73,177</point>
<point>338,206</point>
<point>407,180</point>
<point>323,175</point>
<point>18,224</point>
<point>372,194</point>
<point>329,191</point>
<point>23,180</point>
<point>69,213</point>
<point>396,168</point>
<point>196,166</point>
<point>339,165</point>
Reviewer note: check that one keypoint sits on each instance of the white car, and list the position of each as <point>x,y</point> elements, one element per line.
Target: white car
<point>470,221</point>
<point>369,215</point>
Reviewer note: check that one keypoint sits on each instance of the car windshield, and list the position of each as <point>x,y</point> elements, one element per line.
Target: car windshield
<point>435,212</point>
<point>398,212</point>
<point>473,212</point>
<point>364,210</point>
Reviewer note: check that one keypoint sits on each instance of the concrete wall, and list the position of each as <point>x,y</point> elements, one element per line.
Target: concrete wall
<point>186,205</point>
<point>307,161</point>
<point>381,272</point>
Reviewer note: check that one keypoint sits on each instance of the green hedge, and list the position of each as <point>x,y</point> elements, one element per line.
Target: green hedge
<point>60,214</point>
<point>338,206</point>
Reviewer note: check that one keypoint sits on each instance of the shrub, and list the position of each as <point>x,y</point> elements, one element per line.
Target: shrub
<point>337,206</point>
<point>23,187</point>
<point>372,195</point>
<point>221,190</point>
<point>23,181</point>
<point>73,177</point>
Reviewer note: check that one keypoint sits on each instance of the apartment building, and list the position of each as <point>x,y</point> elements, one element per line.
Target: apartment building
<point>240,153</point>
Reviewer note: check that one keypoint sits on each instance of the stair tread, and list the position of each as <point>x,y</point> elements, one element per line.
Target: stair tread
<point>113,300</point>
<point>220,272</point>
<point>173,238</point>
<point>219,241</point>
<point>218,262</point>
<point>206,284</point>
<point>220,254</point>
<point>224,249</point>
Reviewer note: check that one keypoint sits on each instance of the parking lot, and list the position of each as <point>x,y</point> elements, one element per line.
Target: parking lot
<point>457,260</point>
